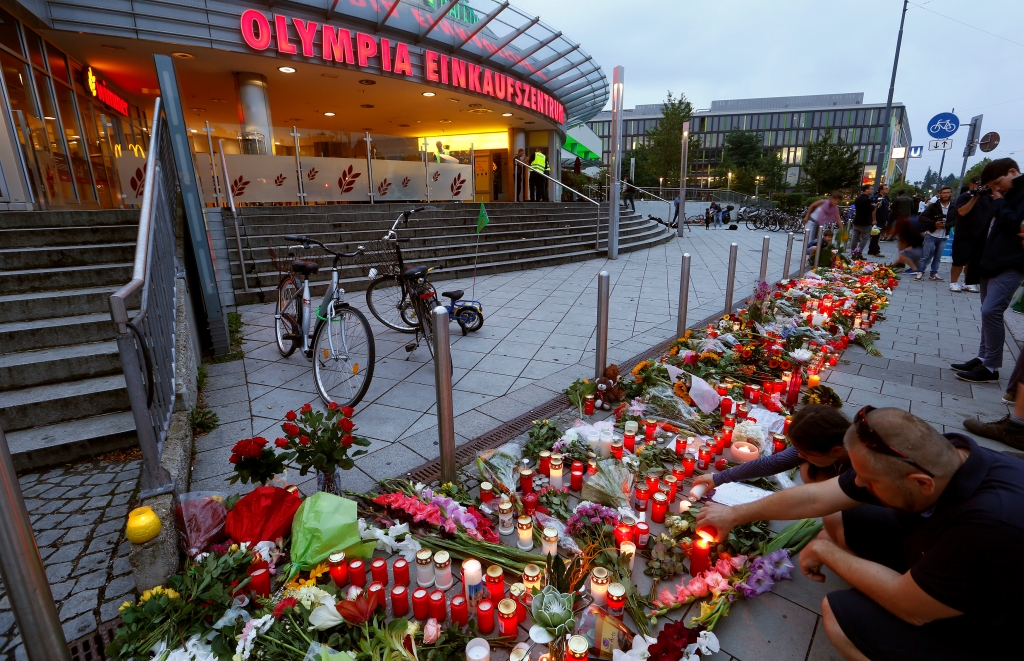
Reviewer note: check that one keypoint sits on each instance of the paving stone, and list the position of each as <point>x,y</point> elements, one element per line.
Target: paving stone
<point>96,562</point>
<point>66,553</point>
<point>121,566</point>
<point>822,648</point>
<point>60,590</point>
<point>78,627</point>
<point>6,623</point>
<point>115,512</point>
<point>119,586</point>
<point>58,572</point>
<point>78,492</point>
<point>103,543</point>
<point>48,537</point>
<point>82,519</point>
<point>91,581</point>
<point>127,486</point>
<point>103,489</point>
<point>108,527</point>
<point>768,628</point>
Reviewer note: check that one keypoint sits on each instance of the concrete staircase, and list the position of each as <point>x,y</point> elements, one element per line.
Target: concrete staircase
<point>519,236</point>
<point>62,392</point>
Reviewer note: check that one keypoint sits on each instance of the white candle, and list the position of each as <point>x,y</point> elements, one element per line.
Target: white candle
<point>525,526</point>
<point>594,440</point>
<point>632,427</point>
<point>606,443</point>
<point>684,506</point>
<point>697,491</point>
<point>555,472</point>
<point>599,581</point>
<point>442,570</point>
<point>505,519</point>
<point>478,649</point>
<point>628,548</point>
<point>424,568</point>
<point>472,577</point>
<point>550,544</point>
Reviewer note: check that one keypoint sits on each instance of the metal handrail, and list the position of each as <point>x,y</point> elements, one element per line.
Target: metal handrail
<point>146,342</point>
<point>234,211</point>
<point>645,192</point>
<point>597,230</point>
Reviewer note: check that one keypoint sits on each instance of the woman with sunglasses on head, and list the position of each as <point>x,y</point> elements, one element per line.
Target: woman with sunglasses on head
<point>817,436</point>
<point>915,526</point>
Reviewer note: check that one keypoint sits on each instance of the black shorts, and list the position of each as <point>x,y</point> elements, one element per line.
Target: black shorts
<point>963,247</point>
<point>873,533</point>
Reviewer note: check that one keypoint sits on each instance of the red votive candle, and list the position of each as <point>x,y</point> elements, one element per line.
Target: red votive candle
<point>259,581</point>
<point>376,588</point>
<point>680,445</point>
<point>741,411</point>
<point>420,604</point>
<point>530,501</point>
<point>526,480</point>
<point>778,443</point>
<point>729,422</point>
<point>400,601</point>
<point>641,534</point>
<point>726,405</point>
<point>617,449</point>
<point>652,481</point>
<point>689,461</point>
<point>642,495</point>
<point>650,428</point>
<point>679,471</point>
<point>703,457</point>
<point>659,507</point>
<point>623,533</point>
<point>544,463</point>
<point>495,580</point>
<point>755,394</point>
<point>460,611</point>
<point>722,389</point>
<point>508,619</point>
<point>786,424</point>
<point>379,571</point>
<point>339,568</point>
<point>486,492</point>
<point>588,404</point>
<point>629,441</point>
<point>700,559</point>
<point>357,572</point>
<point>438,606</point>
<point>727,433</point>
<point>576,480</point>
<point>485,616</point>
<point>719,443</point>
<point>673,483</point>
<point>401,572</point>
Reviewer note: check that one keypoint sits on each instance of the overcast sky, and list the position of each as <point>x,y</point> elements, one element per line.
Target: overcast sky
<point>730,49</point>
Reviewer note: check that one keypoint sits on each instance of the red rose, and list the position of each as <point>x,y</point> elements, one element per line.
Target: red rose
<point>306,408</point>
<point>290,416</point>
<point>237,447</point>
<point>290,429</point>
<point>333,406</point>
<point>347,424</point>
<point>346,440</point>
<point>234,459</point>
<point>281,442</point>
<point>347,411</point>
<point>259,440</point>
<point>303,440</point>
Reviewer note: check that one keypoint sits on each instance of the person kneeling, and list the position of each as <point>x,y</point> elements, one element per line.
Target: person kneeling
<point>925,528</point>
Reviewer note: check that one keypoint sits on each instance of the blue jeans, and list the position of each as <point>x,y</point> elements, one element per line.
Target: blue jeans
<point>995,298</point>
<point>931,251</point>
<point>859,238</point>
<point>718,219</point>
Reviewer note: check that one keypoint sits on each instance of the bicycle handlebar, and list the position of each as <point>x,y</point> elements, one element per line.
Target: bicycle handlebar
<point>305,241</point>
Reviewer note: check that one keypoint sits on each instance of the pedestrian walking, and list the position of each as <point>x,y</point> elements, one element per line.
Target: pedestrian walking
<point>902,208</point>
<point>628,194</point>
<point>863,221</point>
<point>881,200</point>
<point>675,204</point>
<point>936,221</point>
<point>1002,268</point>
<point>973,213</point>
<point>521,173</point>
<point>821,213</point>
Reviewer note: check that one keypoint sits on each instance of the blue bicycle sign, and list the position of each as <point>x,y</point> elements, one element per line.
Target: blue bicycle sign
<point>943,125</point>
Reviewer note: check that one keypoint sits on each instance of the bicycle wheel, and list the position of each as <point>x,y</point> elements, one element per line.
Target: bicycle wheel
<point>409,313</point>
<point>471,317</point>
<point>426,324</point>
<point>387,301</point>
<point>343,356</point>
<point>751,223</point>
<point>286,314</point>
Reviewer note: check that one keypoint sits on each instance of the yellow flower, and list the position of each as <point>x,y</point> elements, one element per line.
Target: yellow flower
<point>642,365</point>
<point>710,355</point>
<point>674,351</point>
<point>123,607</point>
<point>687,334</point>
<point>318,571</point>
<point>705,609</point>
<point>171,594</point>
<point>233,548</point>
<point>586,380</point>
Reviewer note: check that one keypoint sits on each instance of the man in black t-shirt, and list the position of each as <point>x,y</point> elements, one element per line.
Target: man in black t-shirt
<point>863,218</point>
<point>974,211</point>
<point>881,219</point>
<point>926,529</point>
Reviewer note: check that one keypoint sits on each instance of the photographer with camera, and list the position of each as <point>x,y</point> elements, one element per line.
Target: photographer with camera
<point>936,222</point>
<point>974,211</point>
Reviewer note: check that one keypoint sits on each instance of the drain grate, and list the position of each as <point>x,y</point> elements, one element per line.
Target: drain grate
<point>91,647</point>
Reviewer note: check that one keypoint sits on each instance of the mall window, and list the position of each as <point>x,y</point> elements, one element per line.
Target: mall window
<point>74,138</point>
<point>9,36</point>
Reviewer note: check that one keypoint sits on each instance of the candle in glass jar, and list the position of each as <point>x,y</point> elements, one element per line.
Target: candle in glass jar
<point>616,600</point>
<point>703,457</point>
<point>833,360</point>
<point>508,620</point>
<point>526,480</point>
<point>495,581</point>
<point>679,472</point>
<point>506,526</point>
<point>729,422</point>
<point>628,549</point>
<point>786,424</point>
<point>530,502</point>
<point>659,507</point>
<point>592,465</point>
<point>485,616</point>
<point>472,578</point>
<point>576,480</point>
<point>680,445</point>
<point>420,604</point>
<point>594,441</point>
<point>719,443</point>
<point>641,534</point>
<point>442,570</point>
<point>486,492</point>
<point>778,443</point>
<point>741,411</point>
<point>653,478</point>
<point>722,389</point>
<point>689,461</point>
<point>700,558</point>
<point>339,568</point>
<point>623,532</point>
<point>379,570</point>
<point>549,544</point>
<point>424,568</point>
<point>589,402</point>
<point>401,572</point>
<point>599,580</point>
<point>726,405</point>
<point>259,582</point>
<point>813,380</point>
<point>376,588</point>
<point>650,428</point>
<point>606,443</point>
<point>641,495</point>
<point>532,577</point>
<point>438,606</point>
<point>673,483</point>
<point>399,601</point>
<point>578,649</point>
<point>525,527</point>
<point>556,471</point>
<point>479,649</point>
<point>755,394</point>
<point>617,449</point>
<point>629,435</point>
<point>460,611</point>
<point>544,462</point>
<point>518,592</point>
<point>357,572</point>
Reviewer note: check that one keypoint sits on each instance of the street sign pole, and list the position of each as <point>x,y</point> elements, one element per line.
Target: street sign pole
<point>883,153</point>
<point>972,143</point>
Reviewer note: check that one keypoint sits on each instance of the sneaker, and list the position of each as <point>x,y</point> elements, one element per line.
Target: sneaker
<point>1004,430</point>
<point>1009,398</point>
<point>974,289</point>
<point>971,364</point>
<point>955,286</point>
<point>918,276</point>
<point>935,277</point>
<point>910,272</point>
<point>979,374</point>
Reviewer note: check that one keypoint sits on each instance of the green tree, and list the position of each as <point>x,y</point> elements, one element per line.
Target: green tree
<point>753,168</point>
<point>975,170</point>
<point>661,154</point>
<point>831,165</point>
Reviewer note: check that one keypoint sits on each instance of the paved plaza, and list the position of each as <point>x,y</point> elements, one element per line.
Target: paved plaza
<point>537,338</point>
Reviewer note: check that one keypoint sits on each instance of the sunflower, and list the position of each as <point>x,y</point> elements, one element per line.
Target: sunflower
<point>709,355</point>
<point>674,351</point>
<point>680,389</point>
<point>642,365</point>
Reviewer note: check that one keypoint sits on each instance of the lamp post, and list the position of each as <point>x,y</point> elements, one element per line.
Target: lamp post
<point>883,153</point>
<point>757,185</point>
<point>661,185</point>
<point>682,180</point>
<point>728,185</point>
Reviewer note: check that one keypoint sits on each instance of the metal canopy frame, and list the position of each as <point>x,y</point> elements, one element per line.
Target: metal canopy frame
<point>483,23</point>
<point>500,46</point>
<point>536,47</point>
<point>540,66</point>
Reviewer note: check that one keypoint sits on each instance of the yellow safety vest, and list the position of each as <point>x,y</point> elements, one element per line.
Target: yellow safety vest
<point>539,163</point>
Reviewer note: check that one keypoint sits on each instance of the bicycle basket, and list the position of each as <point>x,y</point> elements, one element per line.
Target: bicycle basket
<point>281,257</point>
<point>380,256</point>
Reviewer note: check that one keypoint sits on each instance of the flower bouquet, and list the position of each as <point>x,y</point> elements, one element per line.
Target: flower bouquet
<point>322,441</point>
<point>255,461</point>
<point>610,485</point>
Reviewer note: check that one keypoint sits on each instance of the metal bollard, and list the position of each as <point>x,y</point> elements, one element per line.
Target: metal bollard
<point>764,259</point>
<point>730,283</point>
<point>22,572</point>
<point>817,252</point>
<point>443,386</point>
<point>803,251</point>
<point>789,257</point>
<point>684,295</point>
<point>601,354</point>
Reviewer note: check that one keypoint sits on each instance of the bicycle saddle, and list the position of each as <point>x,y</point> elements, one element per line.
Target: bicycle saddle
<point>454,295</point>
<point>416,272</point>
<point>304,267</point>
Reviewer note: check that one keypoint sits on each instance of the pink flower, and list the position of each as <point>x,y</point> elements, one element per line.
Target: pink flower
<point>449,527</point>
<point>738,561</point>
<point>431,632</point>
<point>690,357</point>
<point>716,582</point>
<point>697,587</point>
<point>724,567</point>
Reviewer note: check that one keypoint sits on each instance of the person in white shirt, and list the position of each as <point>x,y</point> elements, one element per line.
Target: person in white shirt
<point>936,220</point>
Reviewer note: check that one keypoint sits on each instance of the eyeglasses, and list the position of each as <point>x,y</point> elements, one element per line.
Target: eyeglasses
<point>873,441</point>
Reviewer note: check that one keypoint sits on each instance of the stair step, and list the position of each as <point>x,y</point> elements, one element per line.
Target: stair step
<point>27,306</point>
<point>54,332</point>
<point>67,236</point>
<point>59,402</point>
<point>33,219</point>
<point>59,443</point>
<point>56,364</point>
<point>98,275</point>
<point>65,256</point>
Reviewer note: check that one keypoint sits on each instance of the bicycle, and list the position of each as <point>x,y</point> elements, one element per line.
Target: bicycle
<point>390,296</point>
<point>340,346</point>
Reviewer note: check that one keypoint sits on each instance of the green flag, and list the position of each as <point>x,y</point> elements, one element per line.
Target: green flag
<point>482,219</point>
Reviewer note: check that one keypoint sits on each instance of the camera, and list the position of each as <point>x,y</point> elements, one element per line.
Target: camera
<point>981,190</point>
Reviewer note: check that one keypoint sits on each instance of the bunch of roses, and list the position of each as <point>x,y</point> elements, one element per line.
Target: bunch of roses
<point>321,440</point>
<point>247,448</point>
<point>589,518</point>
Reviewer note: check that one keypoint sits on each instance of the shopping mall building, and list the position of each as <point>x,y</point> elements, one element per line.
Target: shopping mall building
<point>309,101</point>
